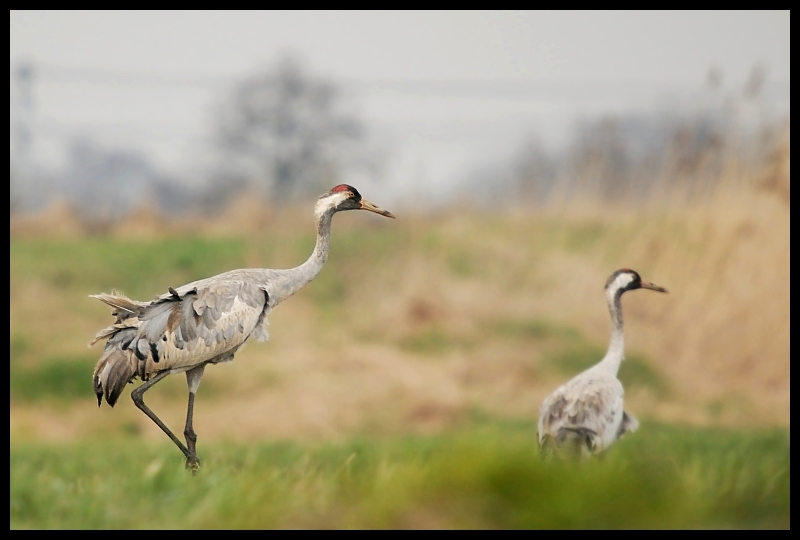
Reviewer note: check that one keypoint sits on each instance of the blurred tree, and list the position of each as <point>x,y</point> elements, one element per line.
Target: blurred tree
<point>284,134</point>
<point>714,77</point>
<point>23,172</point>
<point>106,184</point>
<point>535,171</point>
<point>601,162</point>
<point>755,81</point>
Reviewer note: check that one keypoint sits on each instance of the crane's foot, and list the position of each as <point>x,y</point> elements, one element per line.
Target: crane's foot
<point>193,464</point>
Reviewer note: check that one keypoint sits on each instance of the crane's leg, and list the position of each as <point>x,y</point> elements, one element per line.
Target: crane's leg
<point>136,394</point>
<point>193,377</point>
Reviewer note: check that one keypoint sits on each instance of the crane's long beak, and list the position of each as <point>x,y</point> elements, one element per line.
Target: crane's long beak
<point>366,205</point>
<point>653,287</point>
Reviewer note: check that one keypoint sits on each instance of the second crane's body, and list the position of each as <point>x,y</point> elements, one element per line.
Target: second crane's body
<point>585,415</point>
<point>204,322</point>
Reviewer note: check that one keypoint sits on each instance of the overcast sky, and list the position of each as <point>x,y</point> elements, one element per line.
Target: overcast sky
<point>621,59</point>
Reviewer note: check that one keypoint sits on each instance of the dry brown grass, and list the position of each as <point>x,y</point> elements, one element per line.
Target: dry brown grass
<point>720,338</point>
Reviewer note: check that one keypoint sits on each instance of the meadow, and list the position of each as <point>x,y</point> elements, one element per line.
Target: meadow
<point>482,476</point>
<point>401,387</point>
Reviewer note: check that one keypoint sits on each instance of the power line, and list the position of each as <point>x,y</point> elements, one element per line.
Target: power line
<point>104,76</point>
<point>483,88</point>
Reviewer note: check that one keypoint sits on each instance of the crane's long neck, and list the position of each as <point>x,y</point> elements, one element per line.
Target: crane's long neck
<point>616,348</point>
<point>300,276</point>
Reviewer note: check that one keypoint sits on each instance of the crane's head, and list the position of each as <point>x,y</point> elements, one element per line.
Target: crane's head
<point>344,197</point>
<point>626,279</point>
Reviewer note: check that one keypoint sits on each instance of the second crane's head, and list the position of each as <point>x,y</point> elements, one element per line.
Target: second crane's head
<point>626,279</point>
<point>344,197</point>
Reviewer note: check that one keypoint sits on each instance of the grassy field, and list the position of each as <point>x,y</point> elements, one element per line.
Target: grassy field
<point>406,378</point>
<point>486,476</point>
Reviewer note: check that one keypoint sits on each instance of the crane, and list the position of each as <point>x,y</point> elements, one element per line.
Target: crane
<point>585,415</point>
<point>203,322</point>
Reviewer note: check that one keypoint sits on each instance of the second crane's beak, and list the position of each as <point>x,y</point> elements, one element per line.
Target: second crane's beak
<point>366,205</point>
<point>653,287</point>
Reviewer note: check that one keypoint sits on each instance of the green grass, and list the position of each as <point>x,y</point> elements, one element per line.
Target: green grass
<point>101,264</point>
<point>433,341</point>
<point>19,345</point>
<point>488,475</point>
<point>579,238</point>
<point>537,329</point>
<point>59,378</point>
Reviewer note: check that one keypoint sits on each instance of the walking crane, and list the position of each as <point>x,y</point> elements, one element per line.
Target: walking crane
<point>204,322</point>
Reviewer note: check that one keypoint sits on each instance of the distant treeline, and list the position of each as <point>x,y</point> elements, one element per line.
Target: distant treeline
<point>282,135</point>
<point>632,159</point>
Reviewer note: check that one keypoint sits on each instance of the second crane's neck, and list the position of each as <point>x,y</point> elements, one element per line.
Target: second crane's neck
<point>298,277</point>
<point>616,347</point>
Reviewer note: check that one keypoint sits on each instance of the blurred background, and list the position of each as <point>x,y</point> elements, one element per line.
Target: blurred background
<point>526,156</point>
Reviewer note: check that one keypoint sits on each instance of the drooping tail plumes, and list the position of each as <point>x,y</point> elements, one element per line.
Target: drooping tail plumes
<point>117,365</point>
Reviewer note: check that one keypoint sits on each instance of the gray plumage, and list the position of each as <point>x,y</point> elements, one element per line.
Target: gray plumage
<point>585,415</point>
<point>203,322</point>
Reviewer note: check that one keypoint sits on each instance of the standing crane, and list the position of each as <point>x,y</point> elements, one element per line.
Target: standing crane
<point>585,416</point>
<point>204,322</point>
